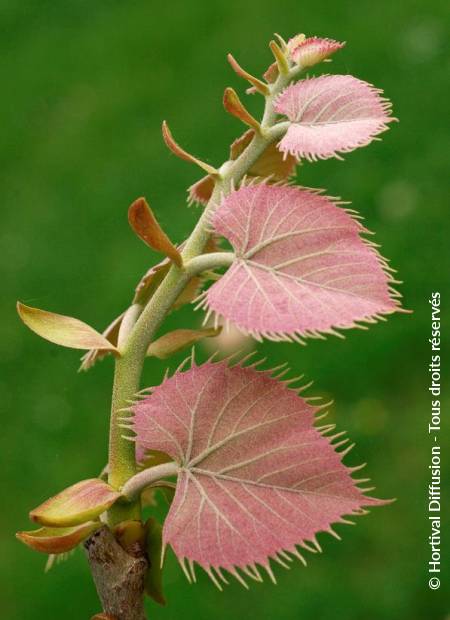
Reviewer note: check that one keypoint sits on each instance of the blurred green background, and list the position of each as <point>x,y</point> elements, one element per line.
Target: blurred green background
<point>85,88</point>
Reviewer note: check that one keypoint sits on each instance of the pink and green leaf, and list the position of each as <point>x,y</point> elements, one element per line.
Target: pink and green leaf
<point>302,268</point>
<point>258,480</point>
<point>79,503</point>
<point>331,114</point>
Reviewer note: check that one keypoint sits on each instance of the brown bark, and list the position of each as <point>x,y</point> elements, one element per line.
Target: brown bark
<point>118,576</point>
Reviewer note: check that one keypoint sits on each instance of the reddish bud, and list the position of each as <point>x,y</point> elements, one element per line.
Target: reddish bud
<point>57,539</point>
<point>77,504</point>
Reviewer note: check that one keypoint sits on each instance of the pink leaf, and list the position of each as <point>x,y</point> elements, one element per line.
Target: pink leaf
<point>256,477</point>
<point>301,266</point>
<point>331,114</point>
<point>309,52</point>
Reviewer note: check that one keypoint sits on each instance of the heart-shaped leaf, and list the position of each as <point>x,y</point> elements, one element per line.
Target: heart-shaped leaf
<point>301,267</point>
<point>256,477</point>
<point>81,502</point>
<point>63,330</point>
<point>57,539</point>
<point>331,114</point>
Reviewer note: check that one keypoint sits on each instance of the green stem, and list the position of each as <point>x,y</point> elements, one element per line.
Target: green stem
<point>145,478</point>
<point>122,464</point>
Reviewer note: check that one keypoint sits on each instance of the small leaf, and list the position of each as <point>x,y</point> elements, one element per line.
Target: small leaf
<point>63,330</point>
<point>146,227</point>
<point>234,106</point>
<point>309,52</point>
<point>81,502</point>
<point>301,270</point>
<point>111,333</point>
<point>257,478</point>
<point>182,154</point>
<point>331,114</point>
<point>57,539</point>
<point>257,84</point>
<point>272,72</point>
<point>270,75</point>
<point>153,578</point>
<point>179,339</point>
<point>280,58</point>
<point>201,191</point>
<point>150,282</point>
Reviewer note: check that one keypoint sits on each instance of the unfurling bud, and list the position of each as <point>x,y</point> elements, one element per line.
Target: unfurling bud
<point>79,503</point>
<point>280,57</point>
<point>57,539</point>
<point>311,51</point>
